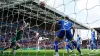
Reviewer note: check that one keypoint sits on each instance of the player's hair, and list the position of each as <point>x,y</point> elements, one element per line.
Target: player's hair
<point>67,17</point>
<point>77,34</point>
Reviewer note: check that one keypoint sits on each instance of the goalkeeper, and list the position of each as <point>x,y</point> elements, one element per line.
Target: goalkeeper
<point>14,45</point>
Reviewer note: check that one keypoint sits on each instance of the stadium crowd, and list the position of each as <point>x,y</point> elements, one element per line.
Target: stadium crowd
<point>28,39</point>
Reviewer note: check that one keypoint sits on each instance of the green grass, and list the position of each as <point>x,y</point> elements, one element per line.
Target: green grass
<point>50,53</point>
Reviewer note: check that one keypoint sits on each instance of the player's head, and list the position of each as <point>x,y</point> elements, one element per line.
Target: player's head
<point>21,28</point>
<point>67,17</point>
<point>92,29</point>
<point>77,35</point>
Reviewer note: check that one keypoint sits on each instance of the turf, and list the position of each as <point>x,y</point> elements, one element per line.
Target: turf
<point>50,53</point>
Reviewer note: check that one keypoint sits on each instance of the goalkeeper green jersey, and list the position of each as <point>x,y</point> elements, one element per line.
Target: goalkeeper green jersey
<point>18,36</point>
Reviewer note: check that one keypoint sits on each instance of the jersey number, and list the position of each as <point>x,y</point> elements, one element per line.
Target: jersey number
<point>65,23</point>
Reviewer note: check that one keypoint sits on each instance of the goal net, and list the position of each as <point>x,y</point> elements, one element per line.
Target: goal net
<point>34,18</point>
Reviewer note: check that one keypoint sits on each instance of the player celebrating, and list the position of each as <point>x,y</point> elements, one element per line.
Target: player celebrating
<point>93,41</point>
<point>65,30</point>
<point>68,45</point>
<point>78,41</point>
<point>14,45</point>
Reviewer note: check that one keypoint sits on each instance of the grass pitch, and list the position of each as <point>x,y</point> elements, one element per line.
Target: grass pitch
<point>50,53</point>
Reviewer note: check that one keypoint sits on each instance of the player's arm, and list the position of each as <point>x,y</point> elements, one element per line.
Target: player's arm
<point>80,39</point>
<point>25,24</point>
<point>94,34</point>
<point>23,27</point>
<point>20,31</point>
<point>73,31</point>
<point>37,35</point>
<point>45,38</point>
<point>52,27</point>
<point>54,24</point>
<point>77,39</point>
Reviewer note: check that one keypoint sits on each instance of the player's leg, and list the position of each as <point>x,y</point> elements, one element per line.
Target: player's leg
<point>59,36</point>
<point>17,46</point>
<point>56,45</point>
<point>91,45</point>
<point>68,46</point>
<point>67,49</point>
<point>38,47</point>
<point>13,46</point>
<point>78,46</point>
<point>95,46</point>
<point>2,51</point>
<point>75,44</point>
<point>70,37</point>
<point>5,48</point>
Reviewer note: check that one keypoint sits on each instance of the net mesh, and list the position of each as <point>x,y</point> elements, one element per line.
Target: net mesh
<point>15,12</point>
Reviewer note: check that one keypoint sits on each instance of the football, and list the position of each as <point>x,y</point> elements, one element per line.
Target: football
<point>42,3</point>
